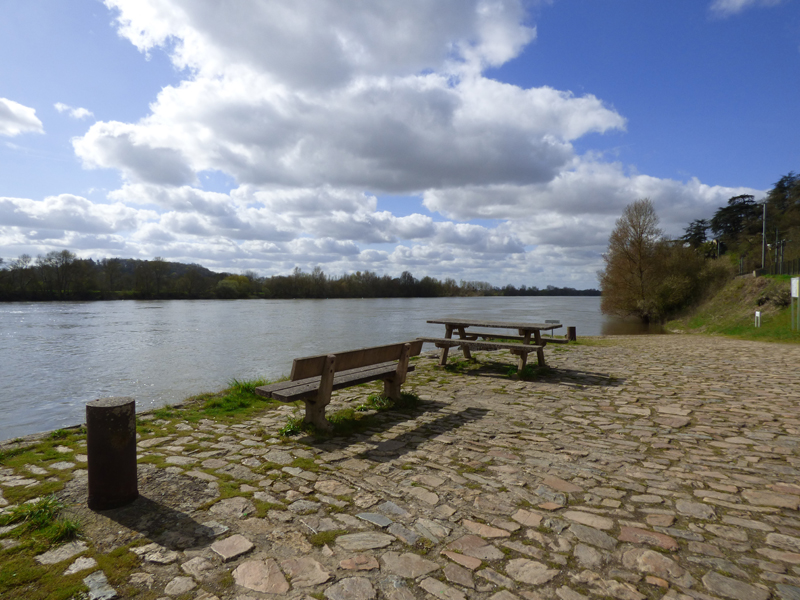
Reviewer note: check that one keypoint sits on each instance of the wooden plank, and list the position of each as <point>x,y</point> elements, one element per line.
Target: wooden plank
<point>312,366</point>
<point>289,391</point>
<point>490,335</point>
<point>456,322</point>
<point>480,344</point>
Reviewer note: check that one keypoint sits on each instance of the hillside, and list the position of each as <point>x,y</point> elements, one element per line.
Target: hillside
<point>731,311</point>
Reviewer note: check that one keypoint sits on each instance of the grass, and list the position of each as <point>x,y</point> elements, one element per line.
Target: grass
<point>325,537</point>
<point>42,518</point>
<point>529,372</point>
<point>238,400</point>
<point>731,312</point>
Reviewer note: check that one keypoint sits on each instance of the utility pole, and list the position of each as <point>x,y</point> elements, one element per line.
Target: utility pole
<point>764,236</point>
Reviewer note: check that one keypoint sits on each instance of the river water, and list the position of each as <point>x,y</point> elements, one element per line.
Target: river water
<point>55,357</point>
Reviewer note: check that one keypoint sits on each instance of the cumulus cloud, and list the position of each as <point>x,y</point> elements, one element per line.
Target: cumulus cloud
<point>578,207</point>
<point>383,96</point>
<point>134,152</point>
<point>732,7</point>
<point>71,213</point>
<point>323,44</point>
<point>16,118</point>
<point>75,113</point>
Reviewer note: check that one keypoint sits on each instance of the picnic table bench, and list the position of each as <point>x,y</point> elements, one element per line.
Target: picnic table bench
<point>313,378</point>
<point>468,340</point>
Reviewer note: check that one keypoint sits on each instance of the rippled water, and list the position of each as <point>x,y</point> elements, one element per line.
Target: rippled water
<point>55,357</point>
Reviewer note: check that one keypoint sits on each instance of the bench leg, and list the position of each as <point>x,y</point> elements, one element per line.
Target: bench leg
<point>391,388</point>
<point>315,407</point>
<point>445,351</point>
<point>443,356</point>
<point>523,360</point>
<point>315,415</point>
<point>391,385</point>
<point>540,357</point>
<point>465,349</point>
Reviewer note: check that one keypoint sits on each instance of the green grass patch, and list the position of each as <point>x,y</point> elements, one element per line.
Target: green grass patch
<point>731,312</point>
<point>325,537</point>
<point>458,365</point>
<point>238,401</point>
<point>307,464</point>
<point>42,518</point>
<point>263,508</point>
<point>294,426</point>
<point>529,372</point>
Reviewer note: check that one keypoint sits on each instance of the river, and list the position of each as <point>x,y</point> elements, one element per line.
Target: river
<point>55,357</point>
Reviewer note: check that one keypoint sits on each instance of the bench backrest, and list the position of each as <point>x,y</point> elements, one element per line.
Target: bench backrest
<point>313,366</point>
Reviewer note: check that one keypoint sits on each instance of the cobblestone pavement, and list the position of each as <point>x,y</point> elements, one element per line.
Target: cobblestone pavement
<point>643,467</point>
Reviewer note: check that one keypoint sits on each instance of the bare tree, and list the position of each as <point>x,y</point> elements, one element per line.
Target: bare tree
<point>22,273</point>
<point>630,279</point>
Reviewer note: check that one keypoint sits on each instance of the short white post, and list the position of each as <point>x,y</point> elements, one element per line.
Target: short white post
<point>758,318</point>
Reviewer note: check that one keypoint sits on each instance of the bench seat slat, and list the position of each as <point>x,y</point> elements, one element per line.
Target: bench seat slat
<point>481,344</point>
<point>289,391</point>
<point>471,335</point>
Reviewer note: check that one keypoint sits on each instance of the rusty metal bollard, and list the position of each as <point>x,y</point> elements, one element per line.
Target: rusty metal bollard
<point>572,336</point>
<point>111,450</point>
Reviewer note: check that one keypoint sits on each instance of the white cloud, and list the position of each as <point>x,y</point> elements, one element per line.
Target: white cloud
<point>732,7</point>
<point>66,212</point>
<point>382,96</point>
<point>322,44</point>
<point>16,119</point>
<point>579,206</point>
<point>75,113</point>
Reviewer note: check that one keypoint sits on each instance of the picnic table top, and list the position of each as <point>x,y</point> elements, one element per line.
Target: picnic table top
<point>459,322</point>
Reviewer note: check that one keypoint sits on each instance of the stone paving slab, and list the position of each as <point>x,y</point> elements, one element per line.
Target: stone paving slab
<point>639,468</point>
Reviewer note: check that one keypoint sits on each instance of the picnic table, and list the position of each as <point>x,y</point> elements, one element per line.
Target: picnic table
<point>466,340</point>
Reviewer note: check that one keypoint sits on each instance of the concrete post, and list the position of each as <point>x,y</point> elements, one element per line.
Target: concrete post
<point>111,450</point>
<point>572,336</point>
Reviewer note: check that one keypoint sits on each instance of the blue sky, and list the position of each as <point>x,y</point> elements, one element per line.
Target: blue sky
<point>474,139</point>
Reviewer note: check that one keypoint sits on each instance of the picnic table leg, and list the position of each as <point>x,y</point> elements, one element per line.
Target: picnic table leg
<point>526,340</point>
<point>540,350</point>
<point>523,360</point>
<point>448,334</point>
<point>391,387</point>
<point>315,407</point>
<point>465,349</point>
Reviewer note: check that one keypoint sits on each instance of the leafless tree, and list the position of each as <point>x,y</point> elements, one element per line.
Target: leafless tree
<point>630,279</point>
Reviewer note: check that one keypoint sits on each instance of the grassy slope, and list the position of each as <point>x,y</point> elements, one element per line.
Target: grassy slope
<point>732,311</point>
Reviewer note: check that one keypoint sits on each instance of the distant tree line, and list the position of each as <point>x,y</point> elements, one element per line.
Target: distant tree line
<point>653,278</point>
<point>61,275</point>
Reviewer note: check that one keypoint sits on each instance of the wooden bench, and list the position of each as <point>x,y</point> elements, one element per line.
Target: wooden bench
<point>466,344</point>
<point>313,378</point>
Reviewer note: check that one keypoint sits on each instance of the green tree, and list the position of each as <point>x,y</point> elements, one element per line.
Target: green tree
<point>112,272</point>
<point>696,234</point>
<point>742,215</point>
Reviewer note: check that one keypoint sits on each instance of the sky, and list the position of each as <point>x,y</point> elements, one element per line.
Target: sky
<point>488,140</point>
